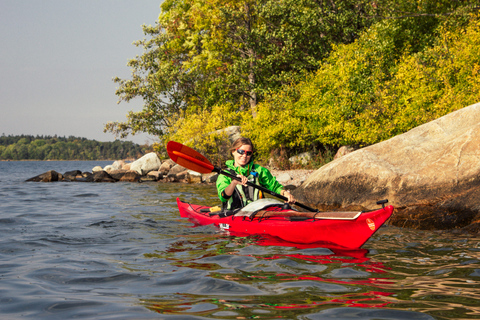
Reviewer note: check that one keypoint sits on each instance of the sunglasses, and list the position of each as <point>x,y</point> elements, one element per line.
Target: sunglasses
<point>242,152</point>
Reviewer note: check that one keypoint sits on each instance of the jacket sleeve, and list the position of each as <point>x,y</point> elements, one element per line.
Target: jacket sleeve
<point>222,184</point>
<point>267,180</point>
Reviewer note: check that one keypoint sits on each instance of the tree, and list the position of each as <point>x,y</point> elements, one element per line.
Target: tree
<point>399,74</point>
<point>204,53</point>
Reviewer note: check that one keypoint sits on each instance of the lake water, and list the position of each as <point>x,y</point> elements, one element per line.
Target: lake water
<point>121,251</point>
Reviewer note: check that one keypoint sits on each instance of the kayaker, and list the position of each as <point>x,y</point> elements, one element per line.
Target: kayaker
<point>235,194</point>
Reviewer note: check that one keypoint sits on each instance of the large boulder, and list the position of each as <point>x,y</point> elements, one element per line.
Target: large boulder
<point>147,163</point>
<point>48,176</point>
<point>431,175</point>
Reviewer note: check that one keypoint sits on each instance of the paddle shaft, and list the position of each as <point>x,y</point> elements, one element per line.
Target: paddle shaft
<point>265,190</point>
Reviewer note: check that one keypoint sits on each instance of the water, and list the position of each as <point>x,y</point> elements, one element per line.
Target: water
<point>120,251</point>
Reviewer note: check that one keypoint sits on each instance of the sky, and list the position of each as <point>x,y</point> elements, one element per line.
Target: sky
<point>57,62</point>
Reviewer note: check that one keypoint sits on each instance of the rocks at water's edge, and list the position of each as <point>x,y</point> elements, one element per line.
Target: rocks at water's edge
<point>48,176</point>
<point>431,175</point>
<point>149,168</point>
<point>146,169</point>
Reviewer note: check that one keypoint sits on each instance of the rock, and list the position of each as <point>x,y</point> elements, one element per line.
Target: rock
<point>431,175</point>
<point>102,176</point>
<point>96,169</point>
<point>117,174</point>
<point>166,166</point>
<point>130,176</point>
<point>127,166</point>
<point>193,177</point>
<point>85,177</point>
<point>156,174</point>
<point>49,176</point>
<point>210,177</point>
<point>118,165</point>
<point>72,175</point>
<point>176,169</point>
<point>147,178</point>
<point>145,164</point>
<point>344,150</point>
<point>109,168</point>
<point>302,158</point>
<point>97,176</point>
<point>171,178</point>
<point>177,174</point>
<point>182,176</point>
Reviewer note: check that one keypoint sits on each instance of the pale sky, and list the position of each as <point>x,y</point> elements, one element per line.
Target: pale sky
<point>57,61</point>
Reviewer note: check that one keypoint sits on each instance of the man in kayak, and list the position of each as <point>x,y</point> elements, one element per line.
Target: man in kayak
<point>236,194</point>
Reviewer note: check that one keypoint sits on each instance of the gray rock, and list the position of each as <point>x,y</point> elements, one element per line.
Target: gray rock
<point>430,174</point>
<point>147,163</point>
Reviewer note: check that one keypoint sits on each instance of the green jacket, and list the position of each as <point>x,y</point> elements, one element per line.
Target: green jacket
<point>265,178</point>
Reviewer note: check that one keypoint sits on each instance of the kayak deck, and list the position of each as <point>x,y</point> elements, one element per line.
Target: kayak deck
<point>344,229</point>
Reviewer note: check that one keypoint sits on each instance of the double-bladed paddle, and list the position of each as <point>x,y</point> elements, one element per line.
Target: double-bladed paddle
<point>191,159</point>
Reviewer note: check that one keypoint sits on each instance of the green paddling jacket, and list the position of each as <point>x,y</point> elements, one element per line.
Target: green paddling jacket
<point>243,195</point>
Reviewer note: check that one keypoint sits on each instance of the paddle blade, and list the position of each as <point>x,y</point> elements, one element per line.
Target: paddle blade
<point>188,158</point>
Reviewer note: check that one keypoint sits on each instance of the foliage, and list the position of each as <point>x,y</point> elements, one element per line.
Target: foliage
<point>206,53</point>
<point>202,131</point>
<point>27,147</point>
<point>301,75</point>
<point>374,88</point>
<point>432,83</point>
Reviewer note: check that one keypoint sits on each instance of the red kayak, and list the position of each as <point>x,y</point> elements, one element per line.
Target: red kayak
<point>340,229</point>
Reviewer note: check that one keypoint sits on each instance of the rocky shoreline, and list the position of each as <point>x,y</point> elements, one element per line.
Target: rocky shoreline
<point>150,168</point>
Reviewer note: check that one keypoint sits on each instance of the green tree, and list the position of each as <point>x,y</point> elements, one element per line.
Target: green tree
<point>205,53</point>
<point>385,83</point>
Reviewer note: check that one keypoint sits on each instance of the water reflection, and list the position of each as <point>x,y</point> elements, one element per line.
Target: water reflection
<point>216,276</point>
